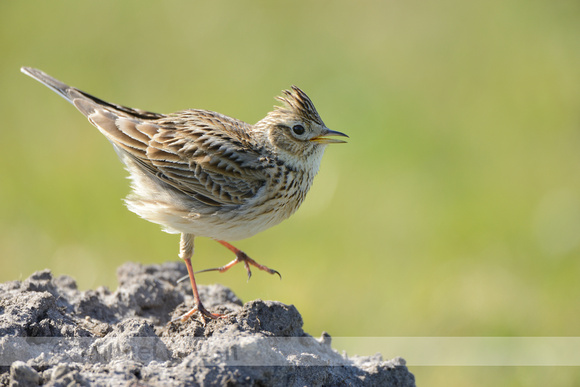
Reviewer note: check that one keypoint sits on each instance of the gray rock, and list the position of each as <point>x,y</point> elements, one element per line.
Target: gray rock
<point>23,375</point>
<point>55,335</point>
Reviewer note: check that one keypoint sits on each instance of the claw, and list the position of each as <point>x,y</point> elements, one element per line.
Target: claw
<point>203,313</point>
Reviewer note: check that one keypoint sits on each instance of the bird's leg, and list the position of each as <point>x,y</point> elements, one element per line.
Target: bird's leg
<point>185,253</point>
<point>240,257</point>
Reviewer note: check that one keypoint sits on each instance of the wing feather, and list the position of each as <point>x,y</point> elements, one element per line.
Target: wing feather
<point>209,156</point>
<point>191,153</point>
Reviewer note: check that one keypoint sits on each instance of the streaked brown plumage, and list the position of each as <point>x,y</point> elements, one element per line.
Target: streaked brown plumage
<point>201,173</point>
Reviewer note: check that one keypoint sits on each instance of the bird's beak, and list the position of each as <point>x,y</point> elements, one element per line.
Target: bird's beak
<point>324,137</point>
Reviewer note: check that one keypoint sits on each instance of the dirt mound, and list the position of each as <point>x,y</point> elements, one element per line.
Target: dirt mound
<point>53,334</point>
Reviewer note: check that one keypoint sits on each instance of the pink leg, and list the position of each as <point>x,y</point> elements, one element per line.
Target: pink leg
<point>186,252</point>
<point>240,257</point>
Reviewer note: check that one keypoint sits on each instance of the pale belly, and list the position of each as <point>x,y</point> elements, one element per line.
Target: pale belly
<point>178,214</point>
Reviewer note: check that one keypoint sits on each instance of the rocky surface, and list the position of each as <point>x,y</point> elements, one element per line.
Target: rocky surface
<point>55,335</point>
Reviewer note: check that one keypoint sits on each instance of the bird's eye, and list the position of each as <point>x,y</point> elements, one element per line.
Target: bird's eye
<point>298,129</point>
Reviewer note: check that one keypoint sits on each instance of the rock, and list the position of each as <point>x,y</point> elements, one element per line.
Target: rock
<point>53,334</point>
<point>23,375</point>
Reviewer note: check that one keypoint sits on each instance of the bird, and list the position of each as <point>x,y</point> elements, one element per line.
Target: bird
<point>200,173</point>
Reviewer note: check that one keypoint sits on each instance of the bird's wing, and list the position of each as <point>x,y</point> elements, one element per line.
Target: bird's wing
<point>203,154</point>
<point>206,155</point>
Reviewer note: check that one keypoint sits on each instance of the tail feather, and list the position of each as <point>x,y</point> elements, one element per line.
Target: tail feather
<point>89,103</point>
<point>60,88</point>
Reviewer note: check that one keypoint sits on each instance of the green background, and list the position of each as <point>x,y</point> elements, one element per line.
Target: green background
<point>454,210</point>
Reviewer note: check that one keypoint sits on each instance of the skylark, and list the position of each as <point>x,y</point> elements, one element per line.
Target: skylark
<point>201,173</point>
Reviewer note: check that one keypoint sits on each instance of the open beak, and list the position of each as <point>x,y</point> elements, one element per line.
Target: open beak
<point>324,137</point>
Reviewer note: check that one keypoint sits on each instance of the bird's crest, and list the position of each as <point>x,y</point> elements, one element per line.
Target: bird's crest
<point>297,102</point>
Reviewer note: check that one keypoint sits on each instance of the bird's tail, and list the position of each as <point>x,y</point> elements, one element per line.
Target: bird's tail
<point>62,89</point>
<point>85,102</point>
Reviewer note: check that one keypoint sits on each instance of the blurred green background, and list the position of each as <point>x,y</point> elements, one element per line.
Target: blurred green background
<point>454,210</point>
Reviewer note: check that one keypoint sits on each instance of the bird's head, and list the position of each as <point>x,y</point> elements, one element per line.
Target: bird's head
<point>295,129</point>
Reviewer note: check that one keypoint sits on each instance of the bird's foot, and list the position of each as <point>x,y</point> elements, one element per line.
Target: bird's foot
<point>203,313</point>
<point>247,261</point>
